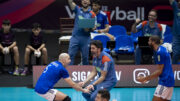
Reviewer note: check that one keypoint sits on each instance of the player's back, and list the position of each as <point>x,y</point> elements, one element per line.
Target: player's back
<point>167,76</point>
<point>50,76</point>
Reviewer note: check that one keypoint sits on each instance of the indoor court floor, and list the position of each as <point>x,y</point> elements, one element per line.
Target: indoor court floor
<point>120,94</point>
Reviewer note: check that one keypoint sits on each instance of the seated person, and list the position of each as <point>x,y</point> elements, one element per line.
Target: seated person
<point>8,43</point>
<point>148,28</point>
<point>102,19</point>
<point>36,45</point>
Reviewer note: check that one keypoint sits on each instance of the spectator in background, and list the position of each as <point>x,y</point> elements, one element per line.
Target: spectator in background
<point>36,45</point>
<point>103,95</point>
<point>102,19</point>
<point>176,30</point>
<point>164,71</point>
<point>80,37</point>
<point>150,27</point>
<point>103,65</point>
<point>8,43</point>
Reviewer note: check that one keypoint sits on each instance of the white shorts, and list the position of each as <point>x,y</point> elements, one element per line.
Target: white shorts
<point>164,92</point>
<point>50,95</point>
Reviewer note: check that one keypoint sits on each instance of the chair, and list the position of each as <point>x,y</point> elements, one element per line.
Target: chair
<point>135,36</point>
<point>104,39</point>
<point>4,59</point>
<point>117,30</point>
<point>66,26</point>
<point>124,45</point>
<point>167,35</point>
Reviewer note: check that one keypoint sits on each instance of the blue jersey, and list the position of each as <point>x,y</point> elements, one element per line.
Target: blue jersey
<point>148,31</point>
<point>102,20</point>
<point>176,23</point>
<point>81,14</point>
<point>50,76</point>
<point>167,76</point>
<point>105,63</point>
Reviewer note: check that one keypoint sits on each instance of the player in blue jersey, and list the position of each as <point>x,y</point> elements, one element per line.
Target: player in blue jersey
<point>176,30</point>
<point>51,75</point>
<point>102,19</point>
<point>80,36</point>
<point>103,65</point>
<point>164,71</point>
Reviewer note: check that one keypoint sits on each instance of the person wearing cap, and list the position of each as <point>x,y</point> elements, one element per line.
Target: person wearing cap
<point>36,46</point>
<point>8,43</point>
<point>176,31</point>
<point>80,36</point>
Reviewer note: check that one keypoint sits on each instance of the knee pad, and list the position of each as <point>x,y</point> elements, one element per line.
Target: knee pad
<point>67,98</point>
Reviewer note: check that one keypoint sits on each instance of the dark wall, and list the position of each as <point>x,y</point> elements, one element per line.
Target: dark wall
<point>123,12</point>
<point>52,45</point>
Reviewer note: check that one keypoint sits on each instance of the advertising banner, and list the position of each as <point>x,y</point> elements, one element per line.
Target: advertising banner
<point>125,74</point>
<point>23,13</point>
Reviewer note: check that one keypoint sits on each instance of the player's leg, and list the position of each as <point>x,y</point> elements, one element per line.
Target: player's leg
<point>55,95</point>
<point>73,49</point>
<point>61,97</point>
<point>26,61</point>
<point>163,93</point>
<point>137,55</point>
<point>26,56</point>
<point>44,56</point>
<point>2,61</point>
<point>155,98</point>
<point>84,47</point>
<point>16,59</point>
<point>16,55</point>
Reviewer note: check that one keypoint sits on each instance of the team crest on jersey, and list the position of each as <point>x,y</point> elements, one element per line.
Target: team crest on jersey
<point>80,17</point>
<point>98,69</point>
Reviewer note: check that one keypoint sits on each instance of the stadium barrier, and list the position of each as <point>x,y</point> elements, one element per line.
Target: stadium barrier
<point>126,75</point>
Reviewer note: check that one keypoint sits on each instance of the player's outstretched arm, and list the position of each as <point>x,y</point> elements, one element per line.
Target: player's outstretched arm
<point>153,75</point>
<point>75,86</point>
<point>102,77</point>
<point>90,77</point>
<point>71,4</point>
